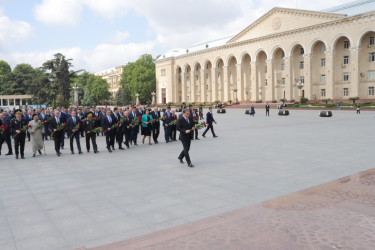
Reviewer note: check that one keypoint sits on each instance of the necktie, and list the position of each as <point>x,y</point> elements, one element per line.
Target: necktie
<point>74,120</point>
<point>58,120</point>
<point>187,120</point>
<point>109,119</point>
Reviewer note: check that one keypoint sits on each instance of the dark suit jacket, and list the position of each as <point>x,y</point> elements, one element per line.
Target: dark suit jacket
<point>209,118</point>
<point>182,126</point>
<point>53,125</point>
<point>131,117</point>
<point>71,124</point>
<point>156,115</point>
<point>106,124</point>
<point>167,121</point>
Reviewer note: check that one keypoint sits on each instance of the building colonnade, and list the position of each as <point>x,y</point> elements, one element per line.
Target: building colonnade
<point>337,69</point>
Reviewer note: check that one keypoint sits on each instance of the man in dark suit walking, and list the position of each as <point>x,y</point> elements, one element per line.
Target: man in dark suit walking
<point>168,119</point>
<point>6,136</point>
<point>57,134</point>
<point>267,109</point>
<point>156,126</point>
<point>134,128</point>
<point>72,122</point>
<point>186,128</point>
<point>107,123</point>
<point>209,120</point>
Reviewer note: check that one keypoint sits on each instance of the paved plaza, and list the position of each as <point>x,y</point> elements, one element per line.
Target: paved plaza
<point>91,200</point>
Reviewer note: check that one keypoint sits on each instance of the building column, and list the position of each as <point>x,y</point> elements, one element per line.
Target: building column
<point>194,85</point>
<point>1,102</point>
<point>289,81</point>
<point>268,92</point>
<point>176,86</point>
<point>240,83</point>
<point>254,82</point>
<point>354,75</point>
<point>20,102</point>
<point>214,83</point>
<point>308,80</point>
<point>204,82</point>
<point>329,74</point>
<point>225,84</point>
<point>183,87</point>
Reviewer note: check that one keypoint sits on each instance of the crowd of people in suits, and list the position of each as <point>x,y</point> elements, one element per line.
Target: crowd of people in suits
<point>120,126</point>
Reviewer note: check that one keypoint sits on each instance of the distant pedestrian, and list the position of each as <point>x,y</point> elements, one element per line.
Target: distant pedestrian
<point>252,110</point>
<point>358,109</point>
<point>338,106</point>
<point>267,109</point>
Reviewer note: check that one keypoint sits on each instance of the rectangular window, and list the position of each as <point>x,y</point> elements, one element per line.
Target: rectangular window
<point>322,78</point>
<point>346,76</point>
<point>188,98</point>
<point>206,76</point>
<point>282,54</point>
<point>282,66</point>
<point>197,77</point>
<point>206,86</point>
<point>322,62</point>
<point>283,81</point>
<point>265,82</point>
<point>302,79</point>
<point>372,40</point>
<point>371,75</point>
<point>265,69</point>
<point>179,80</point>
<point>322,92</point>
<point>301,65</point>
<point>322,48</point>
<point>302,51</point>
<point>187,88</point>
<point>346,92</point>
<point>346,60</point>
<point>371,90</point>
<point>196,88</point>
<point>371,57</point>
<point>346,44</point>
<point>218,74</point>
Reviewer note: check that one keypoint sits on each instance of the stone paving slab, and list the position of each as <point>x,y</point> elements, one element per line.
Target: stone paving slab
<point>144,189</point>
<point>337,215</point>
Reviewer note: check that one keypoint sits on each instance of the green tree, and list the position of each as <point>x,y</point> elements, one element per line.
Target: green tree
<point>59,73</point>
<point>40,88</point>
<point>98,88</point>
<point>23,76</point>
<point>87,99</point>
<point>5,76</point>
<point>138,77</point>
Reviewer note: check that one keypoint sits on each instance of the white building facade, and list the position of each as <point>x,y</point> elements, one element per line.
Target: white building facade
<point>285,54</point>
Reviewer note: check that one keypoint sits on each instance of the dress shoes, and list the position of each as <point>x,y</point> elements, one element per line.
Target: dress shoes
<point>109,150</point>
<point>121,148</point>
<point>197,139</point>
<point>22,157</point>
<point>181,161</point>
<point>9,154</point>
<point>80,153</point>
<point>58,153</point>
<point>17,157</point>
<point>96,152</point>
<point>191,165</point>
<point>40,152</point>
<point>215,136</point>
<point>72,153</point>
<point>203,136</point>
<point>33,155</point>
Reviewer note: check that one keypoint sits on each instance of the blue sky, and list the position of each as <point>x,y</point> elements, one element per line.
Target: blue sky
<point>100,34</point>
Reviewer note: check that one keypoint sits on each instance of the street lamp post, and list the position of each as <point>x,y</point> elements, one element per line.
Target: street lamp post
<point>137,101</point>
<point>75,89</point>
<point>153,98</point>
<point>235,93</point>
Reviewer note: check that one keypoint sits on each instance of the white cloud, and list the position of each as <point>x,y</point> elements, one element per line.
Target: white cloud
<point>58,12</point>
<point>120,37</point>
<point>13,31</point>
<point>102,57</point>
<point>109,8</point>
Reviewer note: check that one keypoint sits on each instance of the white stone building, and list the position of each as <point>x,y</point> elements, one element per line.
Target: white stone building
<point>286,53</point>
